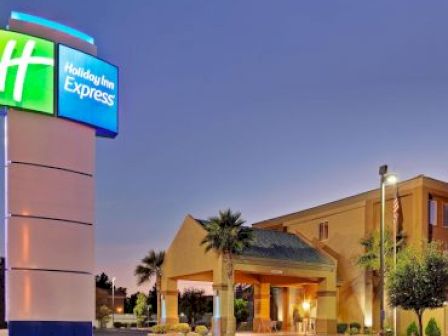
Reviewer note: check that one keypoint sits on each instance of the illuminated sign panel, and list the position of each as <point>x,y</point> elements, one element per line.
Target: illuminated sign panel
<point>88,90</point>
<point>26,72</point>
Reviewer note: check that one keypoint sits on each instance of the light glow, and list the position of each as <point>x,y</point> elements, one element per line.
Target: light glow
<point>306,305</point>
<point>52,25</point>
<point>391,179</point>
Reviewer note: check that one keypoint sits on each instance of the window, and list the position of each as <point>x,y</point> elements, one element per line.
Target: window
<point>445,215</point>
<point>433,212</point>
<point>323,231</point>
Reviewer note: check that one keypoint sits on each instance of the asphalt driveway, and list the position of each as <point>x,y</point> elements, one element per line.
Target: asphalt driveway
<point>123,332</point>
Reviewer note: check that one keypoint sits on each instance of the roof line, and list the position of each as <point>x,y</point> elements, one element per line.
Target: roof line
<point>260,223</point>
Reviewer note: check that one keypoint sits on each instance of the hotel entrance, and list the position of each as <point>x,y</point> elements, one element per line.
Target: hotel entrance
<point>291,283</point>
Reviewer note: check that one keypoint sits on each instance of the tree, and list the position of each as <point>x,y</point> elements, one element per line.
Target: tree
<point>151,266</point>
<point>420,280</point>
<point>103,281</point>
<point>193,303</point>
<point>103,315</point>
<point>152,299</point>
<point>227,236</point>
<point>371,257</point>
<point>141,308</point>
<point>241,310</point>
<point>129,303</point>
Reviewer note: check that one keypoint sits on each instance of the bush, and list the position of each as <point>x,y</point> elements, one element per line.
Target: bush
<point>201,330</point>
<point>412,330</point>
<point>432,329</point>
<point>354,331</point>
<point>180,328</point>
<point>160,329</point>
<point>355,325</point>
<point>342,328</point>
<point>368,331</point>
<point>118,325</point>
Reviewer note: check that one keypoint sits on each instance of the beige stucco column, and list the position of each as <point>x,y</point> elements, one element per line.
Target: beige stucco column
<point>326,306</point>
<point>285,302</point>
<point>224,322</point>
<point>261,306</point>
<point>169,302</point>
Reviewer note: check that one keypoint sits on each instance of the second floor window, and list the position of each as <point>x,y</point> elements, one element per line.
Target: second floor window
<point>433,212</point>
<point>445,215</point>
<point>323,231</point>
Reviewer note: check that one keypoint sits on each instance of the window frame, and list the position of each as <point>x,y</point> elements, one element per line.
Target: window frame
<point>432,212</point>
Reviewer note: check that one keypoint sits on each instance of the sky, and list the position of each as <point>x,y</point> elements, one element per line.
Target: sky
<point>263,106</point>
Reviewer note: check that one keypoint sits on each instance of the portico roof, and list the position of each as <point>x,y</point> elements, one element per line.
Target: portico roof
<point>284,246</point>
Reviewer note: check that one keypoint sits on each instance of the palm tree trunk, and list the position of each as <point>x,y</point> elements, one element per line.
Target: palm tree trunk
<point>159,299</point>
<point>230,323</point>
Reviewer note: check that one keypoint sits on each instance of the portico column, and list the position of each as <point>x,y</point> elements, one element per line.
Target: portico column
<point>169,302</point>
<point>285,304</point>
<point>261,306</point>
<point>326,307</point>
<point>224,322</point>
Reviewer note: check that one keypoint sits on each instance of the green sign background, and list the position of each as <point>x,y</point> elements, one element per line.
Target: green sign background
<point>38,79</point>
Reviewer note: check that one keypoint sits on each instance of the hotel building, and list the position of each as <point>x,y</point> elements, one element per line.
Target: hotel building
<point>304,263</point>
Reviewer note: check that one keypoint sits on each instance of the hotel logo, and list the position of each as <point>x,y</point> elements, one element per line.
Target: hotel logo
<point>26,72</point>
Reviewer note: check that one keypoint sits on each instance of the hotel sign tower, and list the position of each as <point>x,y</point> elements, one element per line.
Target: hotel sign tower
<point>59,97</point>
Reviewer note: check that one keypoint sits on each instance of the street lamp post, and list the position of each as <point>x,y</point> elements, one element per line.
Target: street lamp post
<point>386,178</point>
<point>113,301</point>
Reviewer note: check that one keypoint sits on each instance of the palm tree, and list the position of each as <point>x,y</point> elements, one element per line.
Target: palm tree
<point>151,266</point>
<point>228,237</point>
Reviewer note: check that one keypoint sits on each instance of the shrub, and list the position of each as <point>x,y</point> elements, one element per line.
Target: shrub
<point>160,329</point>
<point>342,328</point>
<point>118,325</point>
<point>412,330</point>
<point>180,328</point>
<point>368,331</point>
<point>201,330</point>
<point>432,329</point>
<point>354,331</point>
<point>356,325</point>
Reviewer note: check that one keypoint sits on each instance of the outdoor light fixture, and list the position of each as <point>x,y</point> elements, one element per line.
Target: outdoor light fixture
<point>113,300</point>
<point>386,179</point>
<point>390,179</point>
<point>306,305</point>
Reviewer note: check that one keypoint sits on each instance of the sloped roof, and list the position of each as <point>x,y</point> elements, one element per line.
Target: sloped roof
<point>285,246</point>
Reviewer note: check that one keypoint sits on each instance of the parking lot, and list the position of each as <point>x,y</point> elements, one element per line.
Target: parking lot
<point>123,332</point>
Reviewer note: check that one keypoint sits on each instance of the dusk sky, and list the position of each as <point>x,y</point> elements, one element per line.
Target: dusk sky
<point>267,107</point>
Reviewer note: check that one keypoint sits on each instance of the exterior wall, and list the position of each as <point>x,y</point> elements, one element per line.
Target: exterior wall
<point>346,228</point>
<point>182,250</point>
<point>49,204</point>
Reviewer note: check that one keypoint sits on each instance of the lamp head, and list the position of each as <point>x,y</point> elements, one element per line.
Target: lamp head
<point>391,179</point>
<point>306,305</point>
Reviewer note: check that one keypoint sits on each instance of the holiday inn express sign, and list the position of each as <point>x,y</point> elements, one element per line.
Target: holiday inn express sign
<point>26,72</point>
<point>85,87</point>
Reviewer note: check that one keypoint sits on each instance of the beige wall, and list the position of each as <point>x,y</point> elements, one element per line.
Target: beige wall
<point>346,228</point>
<point>355,217</point>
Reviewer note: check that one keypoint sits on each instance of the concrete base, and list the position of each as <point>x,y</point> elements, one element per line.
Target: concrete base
<point>35,328</point>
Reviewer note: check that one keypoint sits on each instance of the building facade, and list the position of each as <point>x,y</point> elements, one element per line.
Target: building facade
<point>338,227</point>
<point>304,264</point>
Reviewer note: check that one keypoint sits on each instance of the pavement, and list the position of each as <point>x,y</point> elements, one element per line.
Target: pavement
<point>122,332</point>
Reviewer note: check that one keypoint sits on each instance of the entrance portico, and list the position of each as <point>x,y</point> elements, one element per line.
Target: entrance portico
<point>294,283</point>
